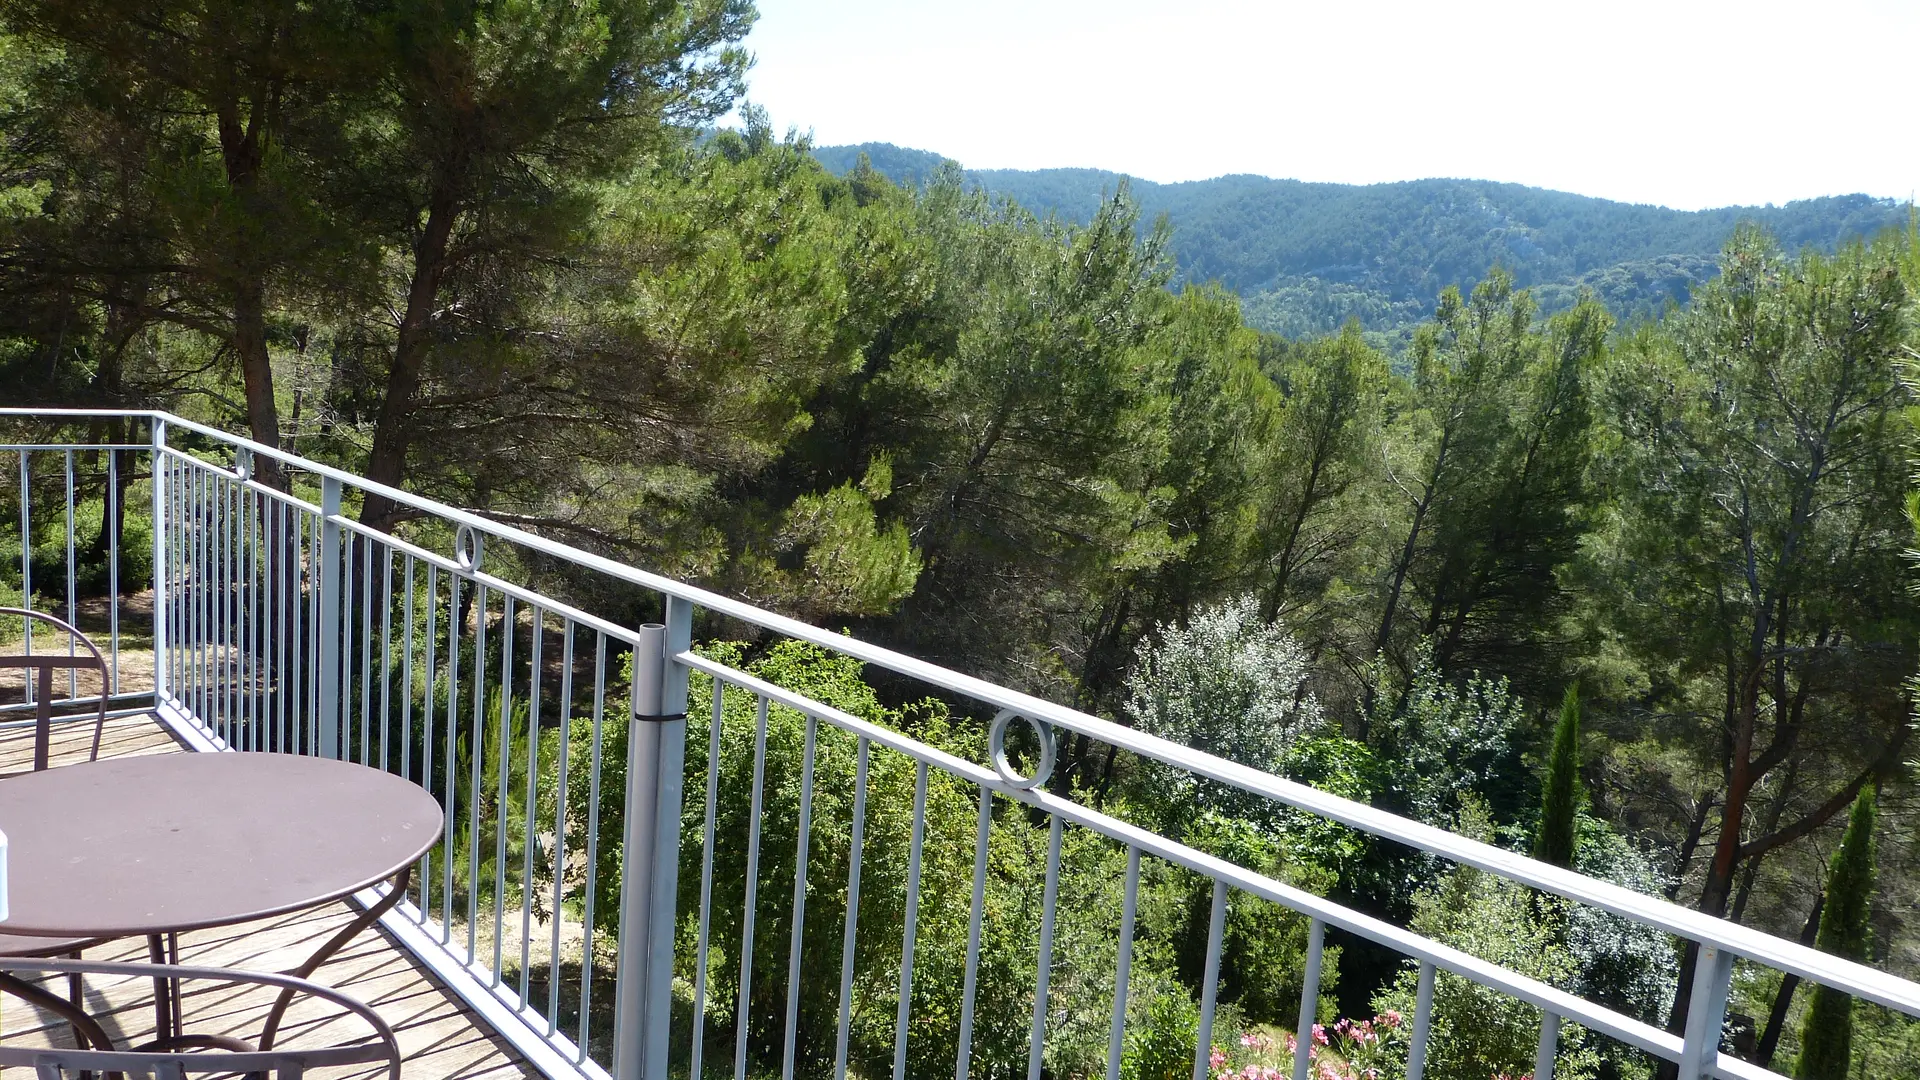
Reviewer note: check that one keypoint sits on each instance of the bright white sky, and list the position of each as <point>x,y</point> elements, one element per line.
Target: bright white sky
<point>1686,103</point>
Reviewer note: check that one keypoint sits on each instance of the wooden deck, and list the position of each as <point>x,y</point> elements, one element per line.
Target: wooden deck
<point>440,1037</point>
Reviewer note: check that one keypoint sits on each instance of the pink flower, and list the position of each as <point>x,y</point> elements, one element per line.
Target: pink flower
<point>1391,1018</point>
<point>1320,1035</point>
<point>1216,1059</point>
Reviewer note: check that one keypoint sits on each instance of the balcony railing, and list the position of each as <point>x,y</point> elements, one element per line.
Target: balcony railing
<point>280,623</point>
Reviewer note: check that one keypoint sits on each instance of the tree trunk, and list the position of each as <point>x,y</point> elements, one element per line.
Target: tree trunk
<point>1782,1001</point>
<point>393,427</point>
<point>1282,574</point>
<point>240,153</point>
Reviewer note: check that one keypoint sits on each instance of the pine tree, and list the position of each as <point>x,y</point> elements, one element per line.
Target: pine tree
<point>1826,1040</point>
<point>1560,799</point>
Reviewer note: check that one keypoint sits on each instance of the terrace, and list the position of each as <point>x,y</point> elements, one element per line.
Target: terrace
<point>573,920</point>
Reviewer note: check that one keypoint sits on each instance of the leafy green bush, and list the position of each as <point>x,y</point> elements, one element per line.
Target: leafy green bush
<point>1477,1031</point>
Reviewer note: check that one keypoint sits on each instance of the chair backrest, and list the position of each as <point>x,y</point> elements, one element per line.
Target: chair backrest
<point>46,664</point>
<point>287,1064</point>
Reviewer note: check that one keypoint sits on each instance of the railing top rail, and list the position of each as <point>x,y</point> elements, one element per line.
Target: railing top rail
<point>1788,956</point>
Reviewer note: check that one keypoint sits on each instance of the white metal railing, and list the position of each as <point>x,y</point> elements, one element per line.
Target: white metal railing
<point>282,624</point>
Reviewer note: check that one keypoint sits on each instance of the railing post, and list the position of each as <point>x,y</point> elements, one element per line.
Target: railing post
<point>1706,1012</point>
<point>329,630</point>
<point>650,859</point>
<point>161,571</point>
<point>1549,1046</point>
<point>1309,1000</point>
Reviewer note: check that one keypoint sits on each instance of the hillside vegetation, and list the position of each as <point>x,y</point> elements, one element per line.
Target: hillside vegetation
<point>1306,257</point>
<point>1636,598</point>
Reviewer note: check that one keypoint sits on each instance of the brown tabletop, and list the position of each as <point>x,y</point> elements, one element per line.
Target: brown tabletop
<point>150,845</point>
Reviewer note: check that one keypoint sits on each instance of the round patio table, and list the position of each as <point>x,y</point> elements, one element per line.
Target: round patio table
<point>157,845</point>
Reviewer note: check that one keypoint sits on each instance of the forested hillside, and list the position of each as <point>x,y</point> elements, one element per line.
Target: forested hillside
<point>1632,596</point>
<point>1306,257</point>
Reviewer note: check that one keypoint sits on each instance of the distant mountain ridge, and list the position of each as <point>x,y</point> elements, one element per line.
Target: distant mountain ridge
<point>1305,257</point>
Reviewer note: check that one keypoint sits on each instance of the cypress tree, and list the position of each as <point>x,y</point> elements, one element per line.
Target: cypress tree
<point>1560,797</point>
<point>1826,1040</point>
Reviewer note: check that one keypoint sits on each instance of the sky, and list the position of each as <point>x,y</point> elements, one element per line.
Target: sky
<point>1682,103</point>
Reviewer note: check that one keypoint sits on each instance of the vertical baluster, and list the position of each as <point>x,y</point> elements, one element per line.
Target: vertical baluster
<point>345,602</point>
<point>323,705</point>
<point>110,518</point>
<point>801,847</point>
<point>203,597</point>
<point>249,620</point>
<point>26,564</point>
<point>1123,963</point>
<point>178,545</point>
<point>277,625</point>
<point>451,769</point>
<point>509,629</point>
<point>706,882</point>
<point>478,741</point>
<point>976,914</point>
<point>73,589</point>
<point>854,846</point>
<point>406,666</point>
<point>386,655</point>
<point>560,827</point>
<point>229,611</point>
<point>912,921</point>
<point>363,568</point>
<point>211,708</point>
<point>426,718</point>
<point>450,758</point>
<point>333,600</point>
<point>752,898</point>
<point>1049,897</point>
<point>1422,1023</point>
<point>527,811</point>
<point>1210,982</point>
<point>180,548</point>
<point>593,838</point>
<point>197,590</point>
<point>180,633</point>
<point>242,618</point>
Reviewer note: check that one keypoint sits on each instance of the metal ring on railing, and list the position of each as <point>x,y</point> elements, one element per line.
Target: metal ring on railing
<point>242,464</point>
<point>997,749</point>
<point>468,545</point>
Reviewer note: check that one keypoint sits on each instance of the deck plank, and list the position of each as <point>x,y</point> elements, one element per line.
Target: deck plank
<point>441,1038</point>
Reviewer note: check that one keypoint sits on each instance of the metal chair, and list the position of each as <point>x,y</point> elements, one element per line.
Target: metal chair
<point>16,945</point>
<point>46,664</point>
<point>164,1060</point>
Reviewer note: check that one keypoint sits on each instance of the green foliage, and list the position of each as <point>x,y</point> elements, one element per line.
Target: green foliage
<point>1826,1039</point>
<point>1623,964</point>
<point>1560,793</point>
<point>1759,462</point>
<point>1227,684</point>
<point>1447,741</point>
<point>1478,1032</point>
<point>1160,1039</point>
<point>1031,446</point>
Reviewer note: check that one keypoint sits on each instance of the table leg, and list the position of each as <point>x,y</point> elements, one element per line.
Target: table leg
<point>165,949</point>
<point>395,894</point>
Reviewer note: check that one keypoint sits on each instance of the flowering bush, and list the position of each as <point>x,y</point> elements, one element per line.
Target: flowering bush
<point>1349,1050</point>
